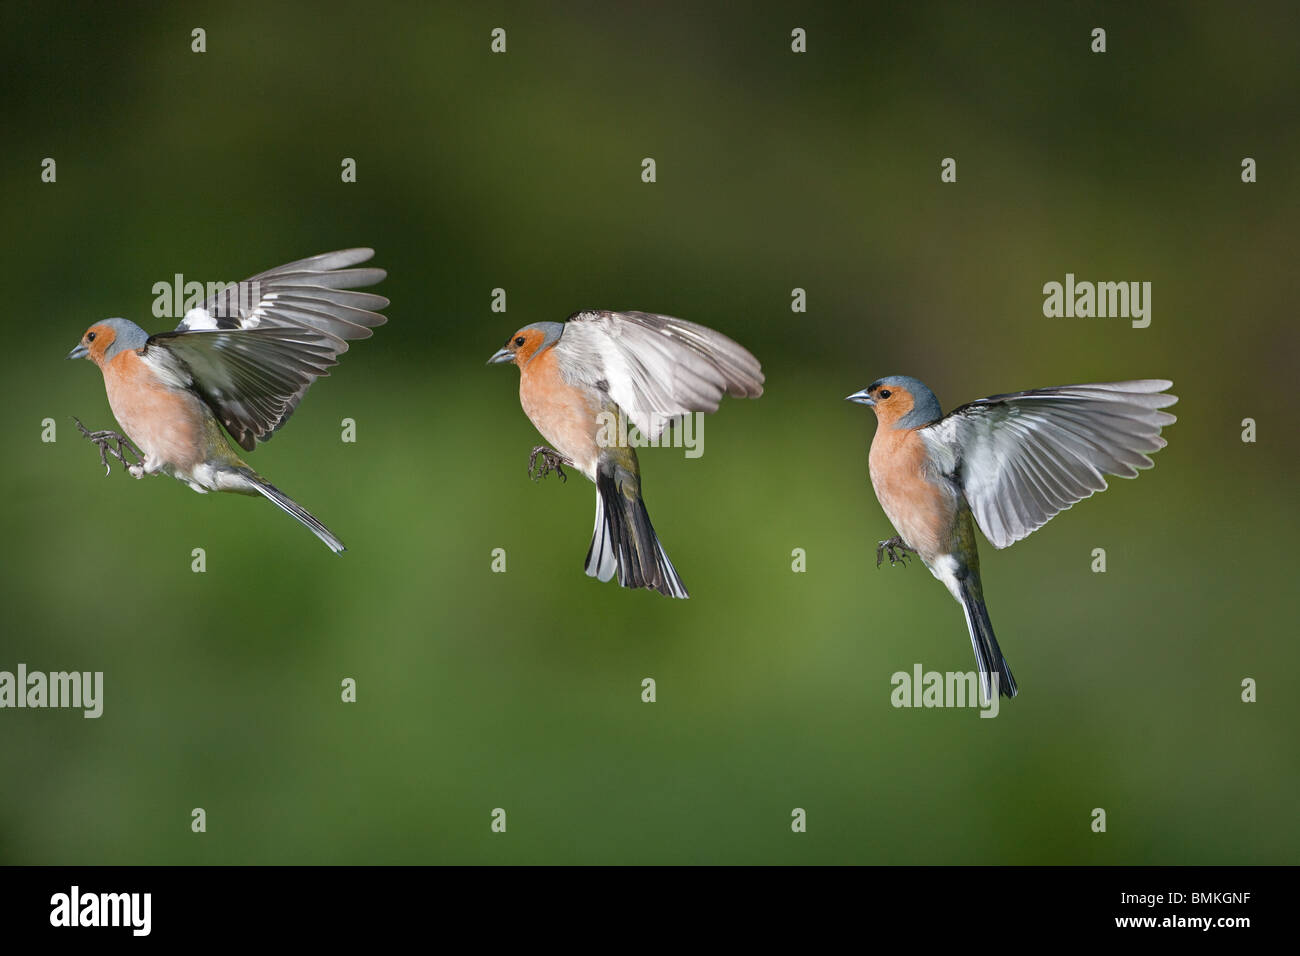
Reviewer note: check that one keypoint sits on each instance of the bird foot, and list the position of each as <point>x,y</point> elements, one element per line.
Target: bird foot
<point>895,550</point>
<point>106,440</point>
<point>552,460</point>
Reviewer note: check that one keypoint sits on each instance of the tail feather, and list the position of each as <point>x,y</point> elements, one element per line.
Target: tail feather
<point>291,507</point>
<point>624,540</point>
<point>988,655</point>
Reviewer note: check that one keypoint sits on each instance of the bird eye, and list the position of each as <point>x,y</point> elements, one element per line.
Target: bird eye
<point>90,336</point>
<point>884,393</point>
<point>519,341</point>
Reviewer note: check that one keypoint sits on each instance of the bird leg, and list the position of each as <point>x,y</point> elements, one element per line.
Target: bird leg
<point>105,440</point>
<point>895,549</point>
<point>552,460</point>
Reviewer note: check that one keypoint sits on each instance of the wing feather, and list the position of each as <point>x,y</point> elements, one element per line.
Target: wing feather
<point>1024,457</point>
<point>253,349</point>
<point>656,367</point>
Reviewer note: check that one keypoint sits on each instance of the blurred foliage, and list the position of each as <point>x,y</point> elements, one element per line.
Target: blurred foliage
<point>522,690</point>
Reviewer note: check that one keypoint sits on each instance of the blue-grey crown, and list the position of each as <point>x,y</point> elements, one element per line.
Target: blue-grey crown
<point>127,335</point>
<point>925,407</point>
<point>551,332</point>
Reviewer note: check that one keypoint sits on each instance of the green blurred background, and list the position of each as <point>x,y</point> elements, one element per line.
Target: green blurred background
<point>522,690</point>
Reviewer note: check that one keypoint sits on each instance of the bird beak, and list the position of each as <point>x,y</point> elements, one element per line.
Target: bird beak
<point>501,355</point>
<point>79,352</point>
<point>862,398</point>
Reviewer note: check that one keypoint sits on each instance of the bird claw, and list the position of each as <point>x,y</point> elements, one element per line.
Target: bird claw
<point>895,550</point>
<point>552,460</point>
<point>105,440</point>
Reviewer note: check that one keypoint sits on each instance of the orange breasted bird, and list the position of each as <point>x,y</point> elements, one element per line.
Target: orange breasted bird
<point>1009,463</point>
<point>241,362</point>
<point>579,377</point>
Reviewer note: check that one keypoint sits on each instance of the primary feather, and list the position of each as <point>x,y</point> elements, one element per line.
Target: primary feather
<point>1023,457</point>
<point>253,357</point>
<point>656,367</point>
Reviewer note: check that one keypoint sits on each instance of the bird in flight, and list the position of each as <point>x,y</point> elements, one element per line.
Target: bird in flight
<point>237,365</point>
<point>1008,463</point>
<point>579,377</point>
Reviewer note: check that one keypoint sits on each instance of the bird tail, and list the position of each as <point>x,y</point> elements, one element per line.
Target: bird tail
<point>291,507</point>
<point>624,540</point>
<point>988,655</point>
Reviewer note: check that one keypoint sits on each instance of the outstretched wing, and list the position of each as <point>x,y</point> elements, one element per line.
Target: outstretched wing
<point>656,367</point>
<point>1024,457</point>
<point>252,350</point>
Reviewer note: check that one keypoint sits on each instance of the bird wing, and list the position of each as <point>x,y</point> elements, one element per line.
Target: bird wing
<point>252,350</point>
<point>1024,457</point>
<point>656,367</point>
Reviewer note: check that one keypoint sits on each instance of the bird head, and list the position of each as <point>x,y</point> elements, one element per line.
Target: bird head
<point>103,340</point>
<point>900,401</point>
<point>528,342</point>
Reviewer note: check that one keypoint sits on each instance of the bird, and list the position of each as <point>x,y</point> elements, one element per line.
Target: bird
<point>237,366</point>
<point>1010,462</point>
<point>581,380</point>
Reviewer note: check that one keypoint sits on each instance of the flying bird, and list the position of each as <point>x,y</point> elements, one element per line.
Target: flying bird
<point>1008,463</point>
<point>237,365</point>
<point>579,377</point>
